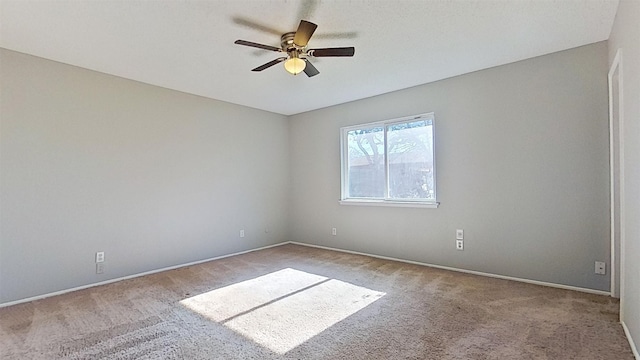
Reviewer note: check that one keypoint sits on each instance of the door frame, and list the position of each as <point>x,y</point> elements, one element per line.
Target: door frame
<point>617,265</point>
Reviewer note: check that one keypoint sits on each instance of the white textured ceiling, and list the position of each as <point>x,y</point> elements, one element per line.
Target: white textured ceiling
<point>188,45</point>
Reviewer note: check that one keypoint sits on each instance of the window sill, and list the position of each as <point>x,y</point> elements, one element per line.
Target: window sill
<point>392,203</point>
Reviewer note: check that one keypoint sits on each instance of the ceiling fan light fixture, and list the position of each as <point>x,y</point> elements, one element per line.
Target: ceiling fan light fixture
<point>295,65</point>
<point>294,45</point>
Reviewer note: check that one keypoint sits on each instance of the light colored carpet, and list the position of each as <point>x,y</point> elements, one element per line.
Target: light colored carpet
<point>296,302</point>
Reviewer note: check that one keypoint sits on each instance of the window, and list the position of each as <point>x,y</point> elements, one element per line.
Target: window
<point>389,163</point>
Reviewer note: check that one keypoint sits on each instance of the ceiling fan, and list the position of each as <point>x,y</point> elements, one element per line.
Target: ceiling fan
<point>294,44</point>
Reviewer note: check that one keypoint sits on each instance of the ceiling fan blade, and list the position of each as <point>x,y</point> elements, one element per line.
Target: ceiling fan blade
<point>269,64</point>
<point>257,26</point>
<point>256,45</point>
<point>310,70</point>
<point>342,51</point>
<point>304,32</point>
<point>337,35</point>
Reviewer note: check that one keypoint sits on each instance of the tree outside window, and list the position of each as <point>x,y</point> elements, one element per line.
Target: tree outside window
<point>390,161</point>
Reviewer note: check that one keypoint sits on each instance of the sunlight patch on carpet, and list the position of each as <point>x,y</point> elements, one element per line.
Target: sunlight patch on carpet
<point>283,309</point>
<point>224,303</point>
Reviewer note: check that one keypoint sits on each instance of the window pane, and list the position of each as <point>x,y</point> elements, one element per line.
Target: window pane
<point>410,151</point>
<point>366,163</point>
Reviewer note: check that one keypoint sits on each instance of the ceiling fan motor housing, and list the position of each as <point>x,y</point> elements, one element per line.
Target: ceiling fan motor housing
<point>286,42</point>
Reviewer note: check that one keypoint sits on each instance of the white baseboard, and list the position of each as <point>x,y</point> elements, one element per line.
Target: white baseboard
<point>535,282</point>
<point>39,297</point>
<point>567,287</point>
<point>634,349</point>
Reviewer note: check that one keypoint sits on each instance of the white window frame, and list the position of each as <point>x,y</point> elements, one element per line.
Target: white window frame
<point>386,201</point>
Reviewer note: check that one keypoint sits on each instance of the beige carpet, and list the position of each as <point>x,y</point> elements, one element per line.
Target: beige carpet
<point>295,302</point>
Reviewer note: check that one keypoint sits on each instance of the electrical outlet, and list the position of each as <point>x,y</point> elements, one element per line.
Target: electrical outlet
<point>241,233</point>
<point>100,268</point>
<point>601,267</point>
<point>100,257</point>
<point>459,245</point>
<point>334,232</point>
<point>459,234</point>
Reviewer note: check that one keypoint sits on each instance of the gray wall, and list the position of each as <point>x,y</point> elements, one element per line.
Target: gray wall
<point>625,35</point>
<point>522,167</point>
<point>153,177</point>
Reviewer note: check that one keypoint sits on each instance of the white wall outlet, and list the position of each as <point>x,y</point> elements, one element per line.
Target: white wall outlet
<point>459,234</point>
<point>100,268</point>
<point>241,233</point>
<point>334,232</point>
<point>100,257</point>
<point>601,267</point>
<point>459,245</point>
